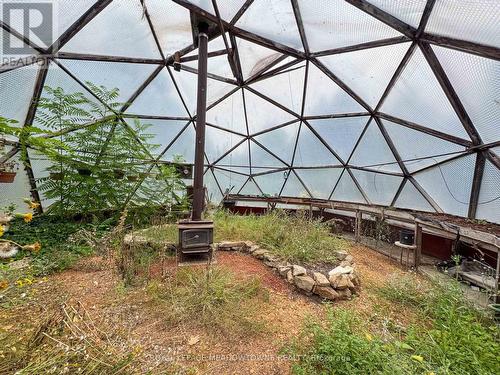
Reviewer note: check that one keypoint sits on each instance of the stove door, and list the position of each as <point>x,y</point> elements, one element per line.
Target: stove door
<point>195,238</point>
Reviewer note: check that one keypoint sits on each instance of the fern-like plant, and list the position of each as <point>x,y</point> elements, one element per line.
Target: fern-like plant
<point>107,162</point>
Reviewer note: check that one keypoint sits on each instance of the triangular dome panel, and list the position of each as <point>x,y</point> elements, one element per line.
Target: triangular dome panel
<point>320,182</point>
<point>380,188</point>
<point>367,72</point>
<point>229,114</point>
<point>218,142</point>
<point>347,191</point>
<point>183,147</point>
<point>341,134</point>
<point>475,79</point>
<point>250,188</point>
<point>281,141</point>
<point>413,144</point>
<point>311,152</point>
<point>488,205</point>
<point>125,77</point>
<point>213,191</point>
<point>324,97</point>
<point>262,114</point>
<point>450,184</point>
<point>119,30</point>
<point>238,160</point>
<point>335,23</point>
<point>409,12</point>
<point>263,160</point>
<point>374,152</point>
<point>410,198</point>
<point>229,181</point>
<point>285,88</point>
<point>428,107</point>
<point>254,58</point>
<point>294,188</point>
<point>271,183</point>
<point>272,19</point>
<point>159,98</point>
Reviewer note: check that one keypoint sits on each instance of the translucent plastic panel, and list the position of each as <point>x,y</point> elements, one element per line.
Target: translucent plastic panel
<point>250,188</point>
<point>14,193</point>
<point>412,144</point>
<point>409,11</point>
<point>410,198</point>
<point>237,160</point>
<point>272,19</point>
<point>218,65</point>
<point>324,97</point>
<point>489,198</point>
<point>263,159</point>
<point>430,107</point>
<point>347,190</point>
<point>472,20</point>
<point>120,29</point>
<point>335,23</point>
<point>281,141</point>
<point>294,188</point>
<point>218,142</point>
<point>57,77</point>
<point>271,183</point>
<point>262,114</point>
<point>320,182</point>
<point>374,152</point>
<point>39,165</point>
<point>286,88</point>
<point>311,152</point>
<point>159,98</point>
<point>254,58</point>
<point>188,84</point>
<point>450,184</point>
<point>163,131</point>
<point>476,82</point>
<point>126,77</point>
<point>379,188</point>
<point>227,8</point>
<point>341,134</point>
<point>64,14</point>
<point>229,114</point>
<point>16,90</point>
<point>214,194</point>
<point>172,25</point>
<point>229,182</point>
<point>182,147</point>
<point>367,72</point>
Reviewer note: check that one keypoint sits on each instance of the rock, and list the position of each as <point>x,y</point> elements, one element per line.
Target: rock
<point>340,271</point>
<point>321,279</point>
<point>326,292</point>
<point>289,277</point>
<point>259,254</point>
<point>232,246</point>
<point>341,282</point>
<point>344,294</point>
<point>268,257</point>
<point>8,250</point>
<point>283,270</point>
<point>271,264</point>
<point>253,248</point>
<point>304,282</point>
<point>341,255</point>
<point>349,259</point>
<point>355,279</point>
<point>298,270</point>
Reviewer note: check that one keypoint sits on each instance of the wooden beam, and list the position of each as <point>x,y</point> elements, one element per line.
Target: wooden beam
<point>450,93</point>
<point>418,246</point>
<point>241,11</point>
<point>362,46</point>
<point>476,184</point>
<point>300,25</point>
<point>108,58</point>
<point>488,52</point>
<point>385,17</point>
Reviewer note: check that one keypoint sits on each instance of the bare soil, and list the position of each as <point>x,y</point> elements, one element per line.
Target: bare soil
<point>133,322</point>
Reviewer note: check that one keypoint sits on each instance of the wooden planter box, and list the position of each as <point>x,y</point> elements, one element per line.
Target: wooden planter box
<point>7,177</point>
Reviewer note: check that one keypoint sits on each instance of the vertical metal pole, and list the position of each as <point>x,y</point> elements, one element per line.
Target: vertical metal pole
<point>201,109</point>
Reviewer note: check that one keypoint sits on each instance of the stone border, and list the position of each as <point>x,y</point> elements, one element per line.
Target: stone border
<point>339,284</point>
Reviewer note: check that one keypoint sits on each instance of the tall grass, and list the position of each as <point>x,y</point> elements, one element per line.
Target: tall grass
<point>451,337</point>
<point>213,299</point>
<point>294,238</point>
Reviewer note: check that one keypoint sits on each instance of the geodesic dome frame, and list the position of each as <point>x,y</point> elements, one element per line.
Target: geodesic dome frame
<point>375,102</point>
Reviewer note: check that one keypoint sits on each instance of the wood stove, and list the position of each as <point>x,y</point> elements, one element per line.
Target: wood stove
<point>195,242</point>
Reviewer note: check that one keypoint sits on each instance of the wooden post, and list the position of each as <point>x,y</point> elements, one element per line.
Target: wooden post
<point>357,226</point>
<point>497,279</point>
<point>418,245</point>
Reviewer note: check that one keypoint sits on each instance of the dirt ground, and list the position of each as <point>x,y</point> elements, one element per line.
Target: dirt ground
<point>134,323</point>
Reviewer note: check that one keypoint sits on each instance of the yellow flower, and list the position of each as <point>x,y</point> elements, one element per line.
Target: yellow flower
<point>2,230</point>
<point>4,284</point>
<point>19,283</point>
<point>36,247</point>
<point>430,373</point>
<point>368,337</point>
<point>28,217</point>
<point>31,204</point>
<point>417,358</point>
